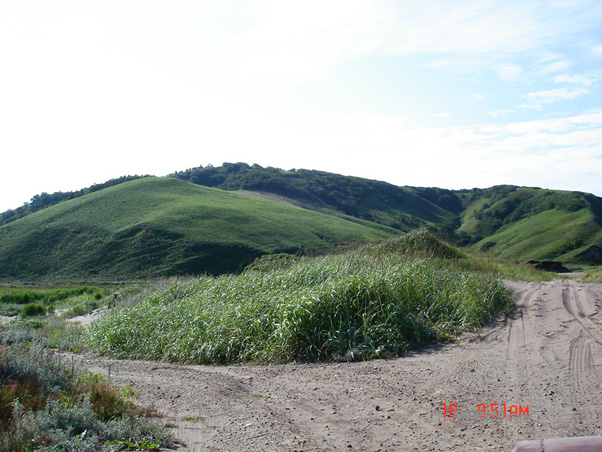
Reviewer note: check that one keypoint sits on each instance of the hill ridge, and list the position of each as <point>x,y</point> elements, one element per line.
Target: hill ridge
<point>162,226</point>
<point>212,220</point>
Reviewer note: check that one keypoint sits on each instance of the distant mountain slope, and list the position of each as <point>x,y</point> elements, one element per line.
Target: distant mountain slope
<point>515,222</point>
<point>530,223</point>
<point>43,200</point>
<point>162,226</point>
<point>216,220</point>
<point>381,202</point>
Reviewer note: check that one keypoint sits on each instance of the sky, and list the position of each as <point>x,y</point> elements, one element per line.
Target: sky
<point>432,93</point>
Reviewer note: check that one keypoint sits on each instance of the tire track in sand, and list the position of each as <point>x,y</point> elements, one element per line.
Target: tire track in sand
<point>575,307</point>
<point>519,365</point>
<point>583,378</point>
<point>584,381</point>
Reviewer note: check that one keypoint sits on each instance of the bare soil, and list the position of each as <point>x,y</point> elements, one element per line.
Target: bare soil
<point>546,356</point>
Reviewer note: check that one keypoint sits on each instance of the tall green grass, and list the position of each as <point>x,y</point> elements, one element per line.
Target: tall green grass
<point>378,301</point>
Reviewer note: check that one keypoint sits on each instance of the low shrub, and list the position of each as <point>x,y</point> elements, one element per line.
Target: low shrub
<point>33,309</point>
<point>46,405</point>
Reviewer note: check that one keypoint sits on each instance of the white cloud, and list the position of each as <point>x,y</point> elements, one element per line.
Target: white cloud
<point>509,72</point>
<point>537,99</point>
<point>100,89</point>
<point>497,113</point>
<point>305,40</point>
<point>561,153</point>
<point>555,153</point>
<point>555,66</point>
<point>576,79</point>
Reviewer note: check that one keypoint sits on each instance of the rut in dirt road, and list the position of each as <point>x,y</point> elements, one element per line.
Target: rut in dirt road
<point>546,358</point>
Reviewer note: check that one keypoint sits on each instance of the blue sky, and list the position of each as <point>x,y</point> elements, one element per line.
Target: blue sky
<point>454,94</point>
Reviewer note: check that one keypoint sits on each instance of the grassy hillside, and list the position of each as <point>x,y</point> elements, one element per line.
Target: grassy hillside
<point>212,220</point>
<point>372,200</point>
<point>43,200</point>
<point>377,301</point>
<point>528,223</point>
<point>161,226</point>
<point>518,223</point>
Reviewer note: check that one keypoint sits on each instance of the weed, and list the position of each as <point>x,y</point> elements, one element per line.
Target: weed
<point>592,277</point>
<point>195,417</point>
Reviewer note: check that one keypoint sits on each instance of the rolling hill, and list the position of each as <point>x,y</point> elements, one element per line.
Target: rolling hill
<point>162,226</point>
<point>517,223</point>
<point>216,220</point>
<point>522,223</point>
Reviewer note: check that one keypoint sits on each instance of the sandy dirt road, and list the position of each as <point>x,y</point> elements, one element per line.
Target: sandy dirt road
<point>547,356</point>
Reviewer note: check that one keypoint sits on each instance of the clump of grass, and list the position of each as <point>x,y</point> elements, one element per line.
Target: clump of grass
<point>33,310</point>
<point>378,301</point>
<point>31,301</point>
<point>82,307</point>
<point>58,334</point>
<point>271,262</point>
<point>47,405</point>
<point>592,277</point>
<point>53,331</point>
<point>505,269</point>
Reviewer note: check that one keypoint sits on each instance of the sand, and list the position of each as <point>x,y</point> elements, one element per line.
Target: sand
<point>546,357</point>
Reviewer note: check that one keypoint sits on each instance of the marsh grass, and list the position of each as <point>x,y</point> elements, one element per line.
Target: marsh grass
<point>378,301</point>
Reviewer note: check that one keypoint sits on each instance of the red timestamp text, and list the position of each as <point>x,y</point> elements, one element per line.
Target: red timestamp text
<point>493,410</point>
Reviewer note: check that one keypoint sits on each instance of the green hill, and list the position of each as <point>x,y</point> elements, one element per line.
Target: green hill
<point>398,207</point>
<point>530,223</point>
<point>216,220</point>
<point>518,223</point>
<point>162,226</point>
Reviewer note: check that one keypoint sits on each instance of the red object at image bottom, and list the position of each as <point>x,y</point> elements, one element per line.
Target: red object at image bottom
<point>577,444</point>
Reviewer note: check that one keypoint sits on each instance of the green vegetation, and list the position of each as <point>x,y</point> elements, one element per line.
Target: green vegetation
<point>593,277</point>
<point>33,309</point>
<point>528,223</point>
<point>49,295</point>
<point>377,301</point>
<point>517,223</point>
<point>376,201</point>
<point>215,220</point>
<point>33,300</point>
<point>49,405</point>
<point>43,200</point>
<point>158,226</point>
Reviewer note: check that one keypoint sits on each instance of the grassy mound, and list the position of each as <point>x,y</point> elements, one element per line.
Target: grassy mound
<point>158,226</point>
<point>378,301</point>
